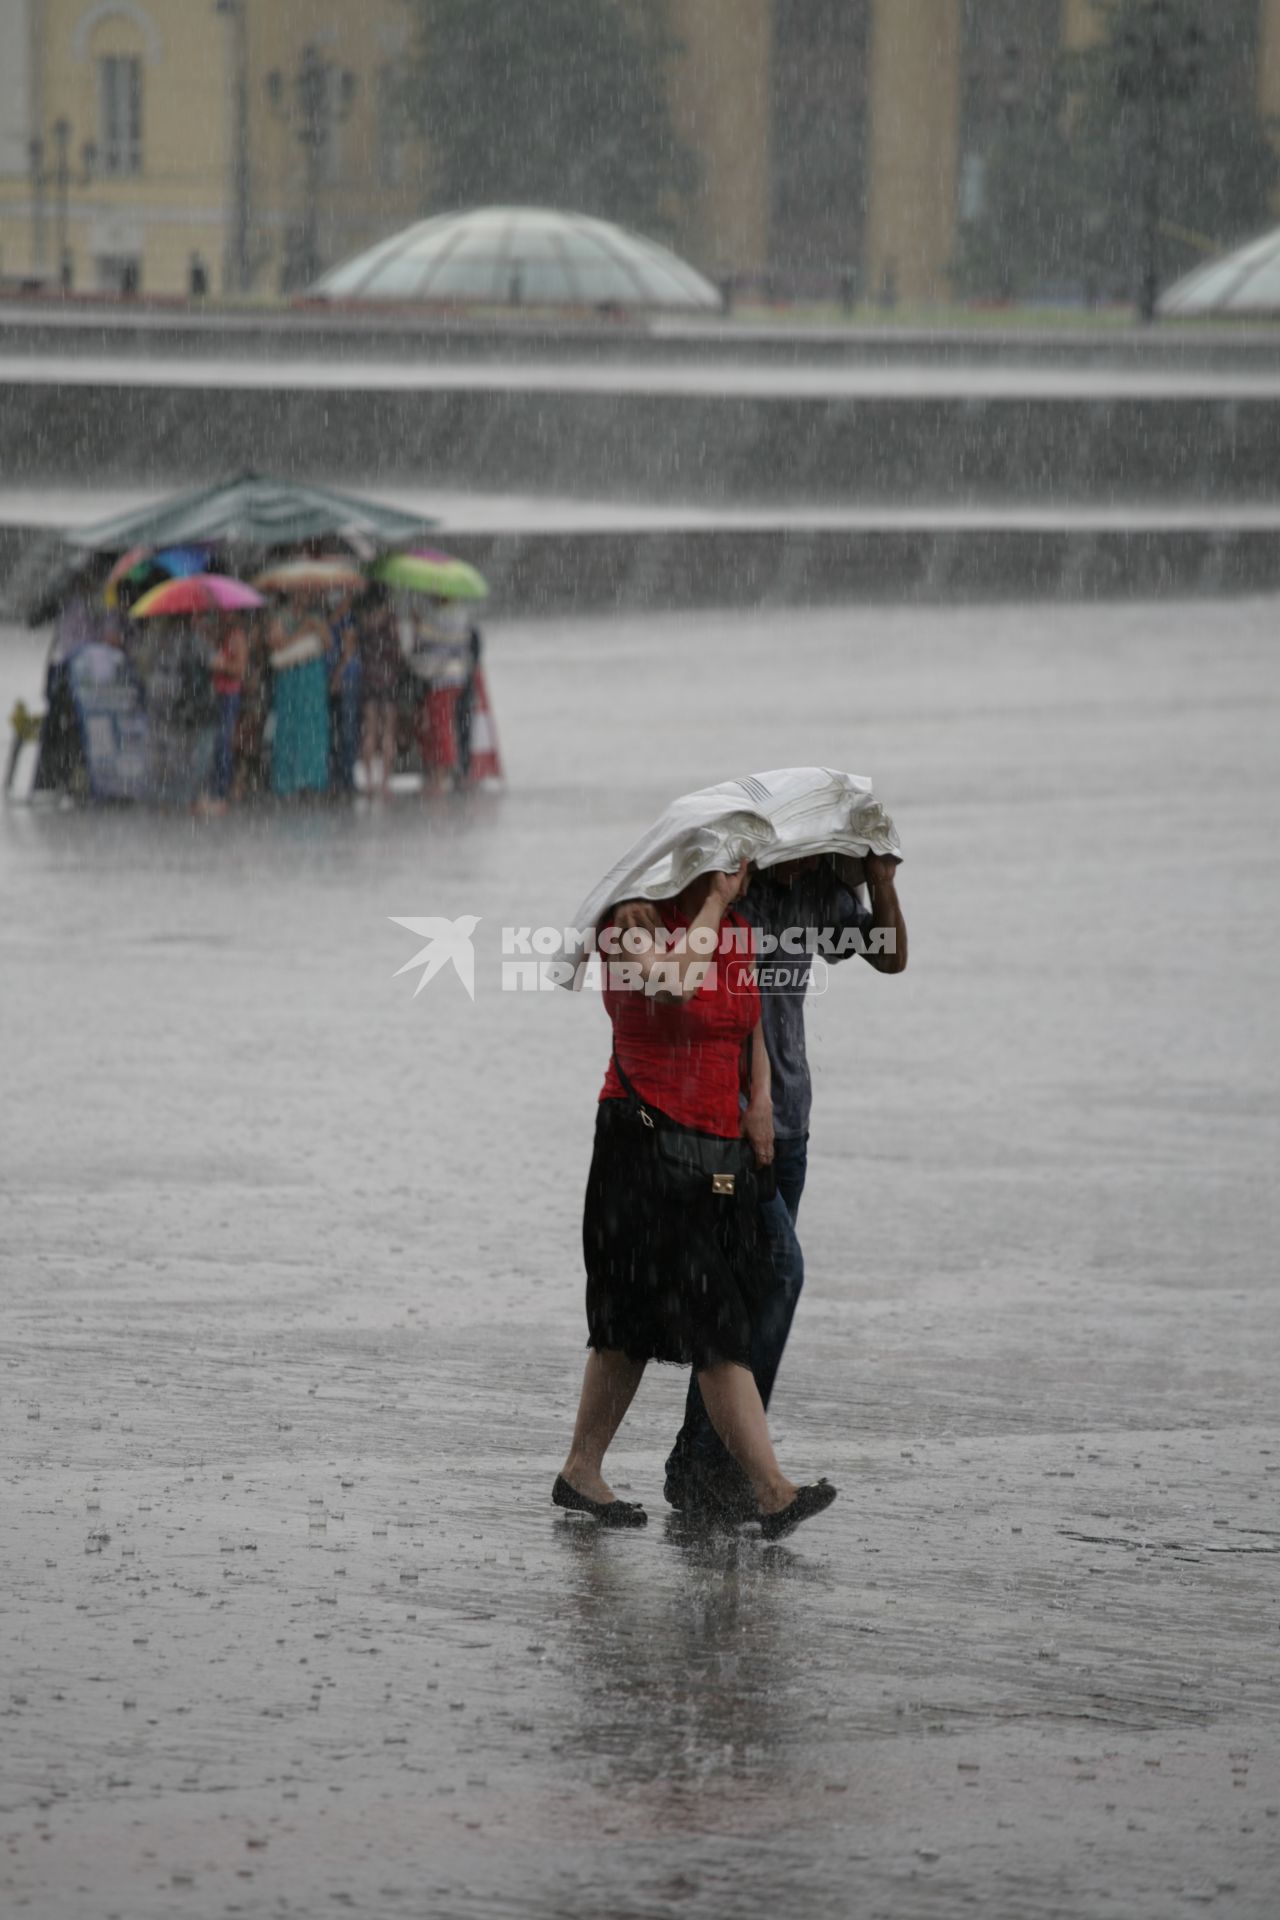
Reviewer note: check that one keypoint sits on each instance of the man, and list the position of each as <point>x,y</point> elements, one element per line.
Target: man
<point>792,908</point>
<point>346,699</point>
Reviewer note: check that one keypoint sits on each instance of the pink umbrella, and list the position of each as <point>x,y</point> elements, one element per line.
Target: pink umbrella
<point>198,593</point>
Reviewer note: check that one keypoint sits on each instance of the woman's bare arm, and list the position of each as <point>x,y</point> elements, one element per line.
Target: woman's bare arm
<point>675,974</point>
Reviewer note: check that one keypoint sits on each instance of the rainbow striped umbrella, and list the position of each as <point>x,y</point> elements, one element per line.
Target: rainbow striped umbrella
<point>198,593</point>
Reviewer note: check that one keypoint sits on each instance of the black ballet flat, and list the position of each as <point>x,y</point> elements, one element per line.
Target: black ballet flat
<point>607,1513</point>
<point>808,1501</point>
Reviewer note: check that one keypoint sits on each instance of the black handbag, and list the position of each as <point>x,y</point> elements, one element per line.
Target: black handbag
<point>690,1164</point>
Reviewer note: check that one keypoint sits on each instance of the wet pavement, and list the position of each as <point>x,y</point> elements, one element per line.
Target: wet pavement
<point>292,1323</point>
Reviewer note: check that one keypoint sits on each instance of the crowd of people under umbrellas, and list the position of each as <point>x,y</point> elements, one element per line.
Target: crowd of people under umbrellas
<point>318,678</point>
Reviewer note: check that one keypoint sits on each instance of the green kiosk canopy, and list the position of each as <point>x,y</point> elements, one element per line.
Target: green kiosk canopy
<point>252,510</point>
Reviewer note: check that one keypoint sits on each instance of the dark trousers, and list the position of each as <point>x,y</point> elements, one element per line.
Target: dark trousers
<point>224,748</point>
<point>699,1458</point>
<point>463,715</point>
<point>346,708</point>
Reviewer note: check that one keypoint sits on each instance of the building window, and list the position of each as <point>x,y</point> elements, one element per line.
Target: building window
<point>391,128</point>
<point>339,91</point>
<point>973,187</point>
<point>120,114</point>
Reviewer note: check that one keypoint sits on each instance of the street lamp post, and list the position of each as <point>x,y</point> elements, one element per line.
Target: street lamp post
<point>62,188</point>
<point>1159,63</point>
<point>239,268</point>
<point>312,107</point>
<point>1009,94</point>
<point>35,153</point>
<point>59,178</point>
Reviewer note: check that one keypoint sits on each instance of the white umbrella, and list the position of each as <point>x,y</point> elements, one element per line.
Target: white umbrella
<point>766,818</point>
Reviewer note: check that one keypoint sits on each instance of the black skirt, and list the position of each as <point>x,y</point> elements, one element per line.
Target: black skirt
<point>666,1280</point>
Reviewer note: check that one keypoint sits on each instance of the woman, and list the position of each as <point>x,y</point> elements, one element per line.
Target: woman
<point>182,713</point>
<point>250,772</point>
<point>382,662</point>
<point>230,665</point>
<point>300,744</point>
<point>344,692</point>
<point>671,1230</point>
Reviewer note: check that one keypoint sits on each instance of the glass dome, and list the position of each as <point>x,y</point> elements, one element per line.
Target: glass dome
<point>1246,281</point>
<point>520,256</point>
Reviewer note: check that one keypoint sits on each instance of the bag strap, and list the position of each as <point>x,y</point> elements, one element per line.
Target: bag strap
<point>668,1124</point>
<point>631,1093</point>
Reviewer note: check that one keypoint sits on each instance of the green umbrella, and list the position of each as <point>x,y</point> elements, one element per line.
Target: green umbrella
<point>425,571</point>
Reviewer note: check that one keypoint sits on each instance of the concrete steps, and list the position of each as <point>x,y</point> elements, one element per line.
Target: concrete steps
<point>686,466</point>
<point>712,438</point>
<point>549,568</point>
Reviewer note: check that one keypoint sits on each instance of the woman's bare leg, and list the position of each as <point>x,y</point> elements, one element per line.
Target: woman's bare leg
<point>368,746</point>
<point>735,1409</point>
<point>388,748</point>
<point>608,1388</point>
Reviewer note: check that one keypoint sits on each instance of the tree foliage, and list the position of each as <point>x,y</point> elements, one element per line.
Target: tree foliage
<point>563,103</point>
<point>1067,172</point>
<point>1028,233</point>
<point>1217,165</point>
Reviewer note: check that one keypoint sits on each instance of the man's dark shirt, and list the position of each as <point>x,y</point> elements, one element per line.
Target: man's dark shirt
<point>813,900</point>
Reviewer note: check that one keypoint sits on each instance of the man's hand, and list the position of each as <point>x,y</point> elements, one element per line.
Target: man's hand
<point>757,1125</point>
<point>879,868</point>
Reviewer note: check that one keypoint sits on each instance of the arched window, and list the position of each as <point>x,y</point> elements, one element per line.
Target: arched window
<point>119,113</point>
<point>120,38</point>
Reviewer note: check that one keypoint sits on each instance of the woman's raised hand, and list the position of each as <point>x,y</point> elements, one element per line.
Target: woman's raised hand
<point>725,888</point>
<point>637,913</point>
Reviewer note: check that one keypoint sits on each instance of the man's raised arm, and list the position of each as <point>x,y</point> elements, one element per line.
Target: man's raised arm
<point>887,939</point>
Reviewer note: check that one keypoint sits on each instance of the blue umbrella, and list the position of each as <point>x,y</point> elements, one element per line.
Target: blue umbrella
<point>181,562</point>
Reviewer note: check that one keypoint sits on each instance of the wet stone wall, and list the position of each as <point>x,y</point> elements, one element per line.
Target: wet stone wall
<point>676,446</point>
<point>633,569</point>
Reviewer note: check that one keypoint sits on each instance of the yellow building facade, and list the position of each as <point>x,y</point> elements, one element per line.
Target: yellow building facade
<point>908,70</point>
<point>246,144</point>
<point>140,139</point>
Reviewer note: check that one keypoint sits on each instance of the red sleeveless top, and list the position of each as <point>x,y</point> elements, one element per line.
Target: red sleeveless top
<point>687,1059</point>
